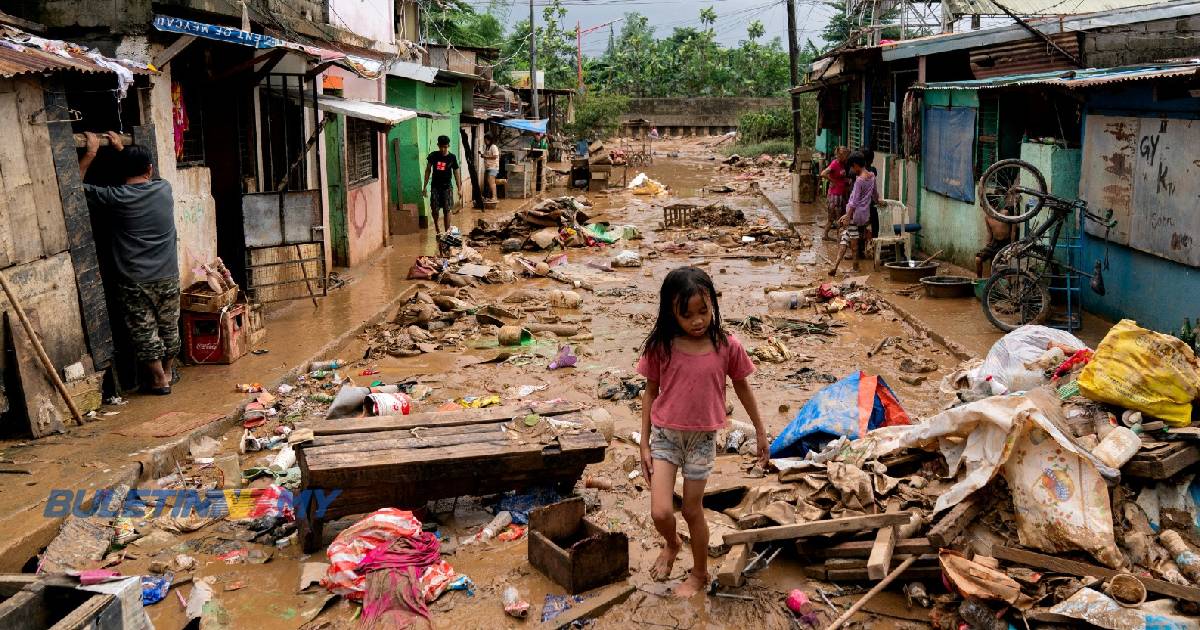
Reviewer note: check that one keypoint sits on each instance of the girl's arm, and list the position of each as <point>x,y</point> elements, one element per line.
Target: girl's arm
<point>742,388</point>
<point>648,396</point>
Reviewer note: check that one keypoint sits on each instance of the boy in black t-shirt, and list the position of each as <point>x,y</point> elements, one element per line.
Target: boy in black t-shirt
<point>441,164</point>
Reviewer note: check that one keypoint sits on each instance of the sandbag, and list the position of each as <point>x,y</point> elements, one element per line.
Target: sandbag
<point>1146,371</point>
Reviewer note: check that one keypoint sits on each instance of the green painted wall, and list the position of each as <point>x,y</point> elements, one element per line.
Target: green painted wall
<point>947,224</point>
<point>418,137</point>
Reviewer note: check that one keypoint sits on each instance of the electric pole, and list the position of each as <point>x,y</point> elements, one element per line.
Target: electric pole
<point>794,54</point>
<point>533,90</point>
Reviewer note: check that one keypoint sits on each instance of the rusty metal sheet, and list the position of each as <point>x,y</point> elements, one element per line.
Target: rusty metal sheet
<point>1033,55</point>
<point>29,60</point>
<point>1145,169</point>
<point>1166,190</point>
<point>1106,178</point>
<point>271,219</point>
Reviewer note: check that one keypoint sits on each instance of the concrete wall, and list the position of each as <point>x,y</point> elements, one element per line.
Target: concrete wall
<point>696,112</point>
<point>372,19</point>
<point>1141,43</point>
<point>366,203</point>
<point>955,227</point>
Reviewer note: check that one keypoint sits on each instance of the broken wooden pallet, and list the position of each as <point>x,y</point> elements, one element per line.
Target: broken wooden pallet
<point>829,526</point>
<point>1162,462</point>
<point>1083,569</point>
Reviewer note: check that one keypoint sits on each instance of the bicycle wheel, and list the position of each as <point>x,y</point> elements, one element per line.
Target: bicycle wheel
<point>1012,191</point>
<point>1013,298</point>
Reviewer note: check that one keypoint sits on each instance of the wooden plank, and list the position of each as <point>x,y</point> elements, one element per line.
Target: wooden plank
<point>170,52</point>
<point>1162,466</point>
<point>862,548</point>
<point>42,406</point>
<point>502,413</point>
<point>11,583</point>
<point>1083,569</point>
<point>346,438</point>
<point>47,206</point>
<point>84,616</point>
<point>730,573</point>
<point>880,560</point>
<point>595,603</point>
<point>24,610</point>
<point>830,526</point>
<point>951,525</point>
<point>416,443</point>
<point>16,184</point>
<point>78,227</point>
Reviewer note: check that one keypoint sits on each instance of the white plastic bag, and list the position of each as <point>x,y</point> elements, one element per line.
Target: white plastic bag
<point>1006,362</point>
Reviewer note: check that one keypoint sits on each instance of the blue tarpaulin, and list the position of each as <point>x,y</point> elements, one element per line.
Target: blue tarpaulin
<point>850,407</point>
<point>948,145</point>
<point>532,126</point>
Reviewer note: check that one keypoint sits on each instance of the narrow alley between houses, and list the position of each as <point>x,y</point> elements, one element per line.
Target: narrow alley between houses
<point>319,321</point>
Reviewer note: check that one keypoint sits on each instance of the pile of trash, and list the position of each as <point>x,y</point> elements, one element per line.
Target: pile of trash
<point>643,184</point>
<point>513,234</point>
<point>464,267</point>
<point>1012,498</point>
<point>763,160</point>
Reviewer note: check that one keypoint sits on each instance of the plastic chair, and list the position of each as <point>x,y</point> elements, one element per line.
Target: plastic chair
<point>893,215</point>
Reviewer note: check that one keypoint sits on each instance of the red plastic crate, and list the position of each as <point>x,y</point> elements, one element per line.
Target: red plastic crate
<point>214,337</point>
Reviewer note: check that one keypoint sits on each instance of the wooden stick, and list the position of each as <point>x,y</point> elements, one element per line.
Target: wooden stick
<point>41,352</point>
<point>837,623</point>
<point>880,560</point>
<point>829,526</point>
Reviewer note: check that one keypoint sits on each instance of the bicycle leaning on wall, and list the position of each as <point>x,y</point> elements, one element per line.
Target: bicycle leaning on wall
<point>1017,293</point>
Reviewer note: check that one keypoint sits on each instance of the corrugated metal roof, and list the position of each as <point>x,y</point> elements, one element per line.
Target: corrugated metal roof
<point>946,42</point>
<point>365,110</point>
<point>1032,55</point>
<point>1075,79</point>
<point>1042,7</point>
<point>17,59</point>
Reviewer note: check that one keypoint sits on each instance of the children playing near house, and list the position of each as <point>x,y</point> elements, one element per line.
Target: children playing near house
<point>858,209</point>
<point>686,360</point>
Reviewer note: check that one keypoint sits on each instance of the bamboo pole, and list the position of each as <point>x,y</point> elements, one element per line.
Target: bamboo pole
<point>41,352</point>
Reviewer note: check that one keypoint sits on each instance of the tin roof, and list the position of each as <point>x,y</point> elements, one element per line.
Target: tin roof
<point>21,53</point>
<point>1041,7</point>
<point>1076,79</point>
<point>946,42</point>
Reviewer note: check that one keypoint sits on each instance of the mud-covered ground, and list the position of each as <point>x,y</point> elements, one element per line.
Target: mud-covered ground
<point>617,315</point>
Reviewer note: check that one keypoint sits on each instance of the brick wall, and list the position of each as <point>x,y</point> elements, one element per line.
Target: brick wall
<point>1142,43</point>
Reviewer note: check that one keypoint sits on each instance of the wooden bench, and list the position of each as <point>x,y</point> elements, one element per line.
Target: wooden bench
<point>406,461</point>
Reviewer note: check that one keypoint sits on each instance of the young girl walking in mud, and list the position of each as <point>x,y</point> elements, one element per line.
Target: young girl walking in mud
<point>686,360</point>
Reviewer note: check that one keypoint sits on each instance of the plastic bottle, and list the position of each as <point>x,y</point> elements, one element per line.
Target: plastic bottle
<point>334,364</point>
<point>1118,447</point>
<point>979,616</point>
<point>1188,560</point>
<point>786,300</point>
<point>513,604</point>
<point>497,525</point>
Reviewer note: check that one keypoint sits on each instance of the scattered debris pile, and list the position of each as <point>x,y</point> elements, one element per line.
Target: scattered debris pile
<point>514,234</point>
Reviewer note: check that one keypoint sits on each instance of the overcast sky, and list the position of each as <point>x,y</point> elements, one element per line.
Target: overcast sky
<point>732,16</point>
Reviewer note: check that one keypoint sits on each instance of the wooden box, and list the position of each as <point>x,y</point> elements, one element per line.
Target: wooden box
<point>215,337</point>
<point>199,298</point>
<point>575,553</point>
<point>598,182</point>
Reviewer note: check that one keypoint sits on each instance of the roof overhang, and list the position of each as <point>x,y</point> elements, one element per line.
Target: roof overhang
<point>1077,79</point>
<point>386,115</point>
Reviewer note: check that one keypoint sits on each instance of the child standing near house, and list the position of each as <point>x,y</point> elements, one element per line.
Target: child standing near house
<point>687,359</point>
<point>491,164</point>
<point>857,218</point>
<point>839,188</point>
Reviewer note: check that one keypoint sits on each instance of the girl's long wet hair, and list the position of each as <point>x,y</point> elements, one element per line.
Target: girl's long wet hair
<point>678,288</point>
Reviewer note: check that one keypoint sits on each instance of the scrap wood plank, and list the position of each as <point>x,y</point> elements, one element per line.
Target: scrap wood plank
<point>829,526</point>
<point>880,560</point>
<point>730,573</point>
<point>345,438</point>
<point>862,548</point>
<point>1083,569</point>
<point>501,413</point>
<point>595,603</point>
<point>1164,463</point>
<point>951,525</point>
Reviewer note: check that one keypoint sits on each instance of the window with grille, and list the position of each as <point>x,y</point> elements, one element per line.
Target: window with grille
<point>987,152</point>
<point>361,151</point>
<point>854,126</point>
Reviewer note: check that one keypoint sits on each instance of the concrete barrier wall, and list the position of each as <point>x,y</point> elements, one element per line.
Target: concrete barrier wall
<point>696,116</point>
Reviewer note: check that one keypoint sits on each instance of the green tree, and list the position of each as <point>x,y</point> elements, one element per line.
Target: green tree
<point>598,115</point>
<point>755,30</point>
<point>555,47</point>
<point>843,25</point>
<point>456,23</point>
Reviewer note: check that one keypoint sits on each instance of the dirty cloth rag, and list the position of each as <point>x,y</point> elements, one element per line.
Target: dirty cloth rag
<point>379,529</point>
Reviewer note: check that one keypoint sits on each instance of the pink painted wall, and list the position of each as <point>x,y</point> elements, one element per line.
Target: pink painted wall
<point>366,204</point>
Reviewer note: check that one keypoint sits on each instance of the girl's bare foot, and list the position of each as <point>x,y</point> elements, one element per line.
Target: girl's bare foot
<point>662,565</point>
<point>695,583</point>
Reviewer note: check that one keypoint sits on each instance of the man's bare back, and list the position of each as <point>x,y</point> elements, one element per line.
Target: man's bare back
<point>999,230</point>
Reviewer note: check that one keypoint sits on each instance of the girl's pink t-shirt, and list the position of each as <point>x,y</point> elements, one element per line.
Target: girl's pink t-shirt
<point>691,387</point>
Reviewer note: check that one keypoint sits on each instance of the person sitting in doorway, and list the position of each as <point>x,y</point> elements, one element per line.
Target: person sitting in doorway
<point>141,214</point>
<point>491,164</point>
<point>441,164</point>
<point>1000,235</point>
